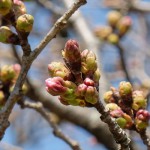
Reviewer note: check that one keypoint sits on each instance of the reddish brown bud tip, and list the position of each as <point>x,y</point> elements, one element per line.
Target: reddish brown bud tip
<point>89,82</point>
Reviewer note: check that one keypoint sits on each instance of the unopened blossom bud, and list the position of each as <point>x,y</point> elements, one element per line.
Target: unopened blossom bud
<point>96,76</point>
<point>5,6</point>
<point>5,34</point>
<point>141,125</point>
<point>143,115</point>
<point>91,95</point>
<point>139,100</point>
<point>125,89</point>
<point>17,69</point>
<point>58,69</point>
<point>124,25</point>
<point>108,97</point>
<point>2,98</point>
<point>141,120</point>
<point>19,8</point>
<point>113,18</point>
<point>121,122</point>
<point>55,86</point>
<point>72,55</point>
<point>112,106</point>
<point>103,32</point>
<point>7,73</point>
<point>88,82</point>
<point>128,119</point>
<point>88,62</point>
<point>116,113</point>
<point>113,38</point>
<point>25,23</point>
<point>81,89</point>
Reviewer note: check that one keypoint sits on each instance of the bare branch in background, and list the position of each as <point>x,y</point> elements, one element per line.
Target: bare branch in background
<point>56,130</point>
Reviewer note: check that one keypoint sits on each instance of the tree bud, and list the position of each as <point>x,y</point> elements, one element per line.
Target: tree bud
<point>5,6</point>
<point>5,34</point>
<point>112,106</point>
<point>125,89</point>
<point>96,76</point>
<point>7,73</point>
<point>108,97</point>
<point>81,89</point>
<point>139,100</point>
<point>55,86</point>
<point>2,98</point>
<point>88,82</point>
<point>88,64</point>
<point>113,18</point>
<point>124,25</point>
<point>72,55</point>
<point>116,113</point>
<point>121,122</point>
<point>143,115</point>
<point>103,32</point>
<point>113,38</point>
<point>19,8</point>
<point>91,95</point>
<point>59,69</point>
<point>25,23</point>
<point>141,125</point>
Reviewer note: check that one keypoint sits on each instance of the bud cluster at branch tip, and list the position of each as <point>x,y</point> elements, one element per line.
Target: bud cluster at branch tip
<point>8,77</point>
<point>118,26</point>
<point>128,107</point>
<point>15,14</point>
<point>75,82</point>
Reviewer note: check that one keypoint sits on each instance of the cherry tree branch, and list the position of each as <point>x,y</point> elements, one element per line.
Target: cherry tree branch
<point>56,130</point>
<point>27,61</point>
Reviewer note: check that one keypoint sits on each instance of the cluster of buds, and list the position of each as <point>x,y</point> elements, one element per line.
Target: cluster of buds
<point>76,81</point>
<point>8,77</point>
<point>15,14</point>
<point>118,26</point>
<point>128,107</point>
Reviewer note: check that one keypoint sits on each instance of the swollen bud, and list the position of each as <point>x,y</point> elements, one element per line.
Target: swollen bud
<point>5,34</point>
<point>19,8</point>
<point>25,23</point>
<point>124,25</point>
<point>121,122</point>
<point>125,89</point>
<point>7,74</point>
<point>5,6</point>
<point>113,18</point>
<point>59,69</point>
<point>2,98</point>
<point>91,95</point>
<point>112,106</point>
<point>139,100</point>
<point>96,76</point>
<point>108,97</point>
<point>54,86</point>
<point>88,62</point>
<point>103,32</point>
<point>72,55</point>
<point>113,38</point>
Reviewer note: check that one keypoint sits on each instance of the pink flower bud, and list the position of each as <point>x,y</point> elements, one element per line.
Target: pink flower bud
<point>81,89</point>
<point>116,113</point>
<point>55,86</point>
<point>89,82</point>
<point>72,55</point>
<point>143,115</point>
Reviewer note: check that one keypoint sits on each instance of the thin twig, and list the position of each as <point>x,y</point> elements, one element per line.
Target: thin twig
<point>27,61</point>
<point>124,66</point>
<point>56,130</point>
